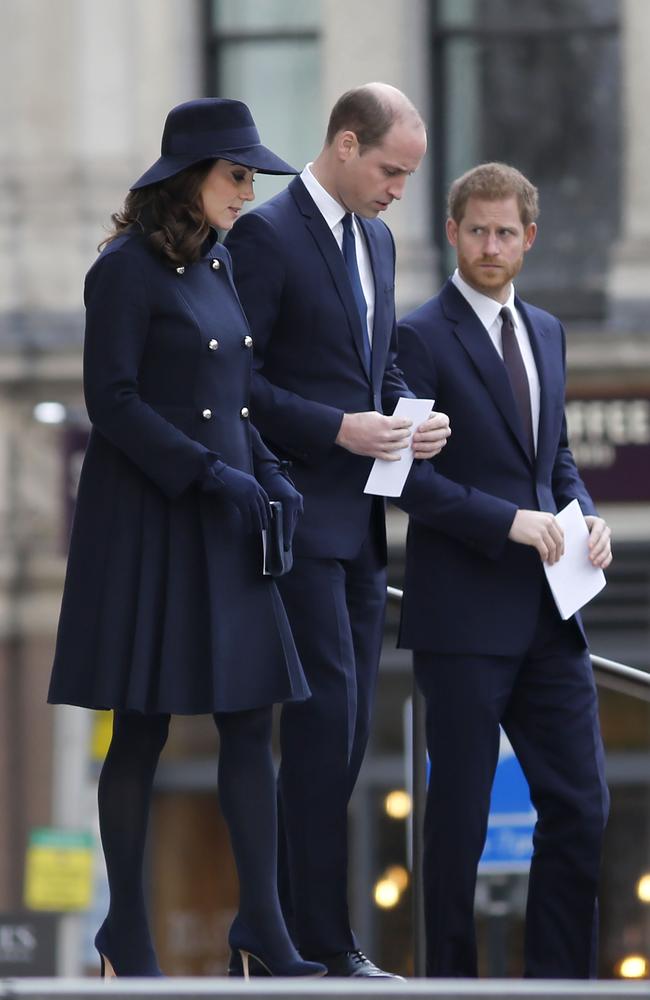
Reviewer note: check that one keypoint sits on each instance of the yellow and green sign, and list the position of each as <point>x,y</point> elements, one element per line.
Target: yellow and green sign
<point>59,870</point>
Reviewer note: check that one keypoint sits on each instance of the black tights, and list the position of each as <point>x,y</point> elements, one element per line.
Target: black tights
<point>247,793</point>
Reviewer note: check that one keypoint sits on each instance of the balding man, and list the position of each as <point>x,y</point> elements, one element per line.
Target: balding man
<point>315,271</point>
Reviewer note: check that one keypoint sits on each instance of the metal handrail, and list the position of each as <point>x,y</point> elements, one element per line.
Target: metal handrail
<point>607,673</point>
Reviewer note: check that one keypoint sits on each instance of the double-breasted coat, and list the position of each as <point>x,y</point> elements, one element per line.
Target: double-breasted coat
<point>165,608</point>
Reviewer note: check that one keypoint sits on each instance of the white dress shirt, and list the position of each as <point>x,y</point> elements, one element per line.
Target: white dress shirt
<point>333,214</point>
<point>488,310</point>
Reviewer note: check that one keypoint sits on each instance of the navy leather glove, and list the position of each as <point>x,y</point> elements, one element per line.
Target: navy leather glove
<point>242,490</point>
<point>279,487</point>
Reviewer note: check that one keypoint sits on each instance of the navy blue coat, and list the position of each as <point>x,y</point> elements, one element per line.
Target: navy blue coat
<point>309,368</point>
<point>165,608</point>
<point>468,589</point>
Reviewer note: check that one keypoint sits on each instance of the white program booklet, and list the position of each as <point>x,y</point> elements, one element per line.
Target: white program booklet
<point>573,579</point>
<point>387,479</point>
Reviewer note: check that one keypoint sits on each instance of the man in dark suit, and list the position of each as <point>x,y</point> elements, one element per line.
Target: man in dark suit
<point>489,645</point>
<point>315,271</point>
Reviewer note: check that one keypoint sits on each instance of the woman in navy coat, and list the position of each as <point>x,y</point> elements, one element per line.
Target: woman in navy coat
<point>165,608</point>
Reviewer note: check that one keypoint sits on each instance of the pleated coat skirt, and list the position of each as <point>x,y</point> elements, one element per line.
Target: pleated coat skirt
<point>165,608</point>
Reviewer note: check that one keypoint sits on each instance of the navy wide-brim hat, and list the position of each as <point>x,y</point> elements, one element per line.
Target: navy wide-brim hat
<point>206,129</point>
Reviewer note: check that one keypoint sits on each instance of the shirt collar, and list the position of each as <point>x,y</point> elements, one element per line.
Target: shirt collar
<point>486,309</point>
<point>328,207</point>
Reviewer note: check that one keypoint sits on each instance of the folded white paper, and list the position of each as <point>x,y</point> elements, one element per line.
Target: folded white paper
<point>573,579</point>
<point>387,479</point>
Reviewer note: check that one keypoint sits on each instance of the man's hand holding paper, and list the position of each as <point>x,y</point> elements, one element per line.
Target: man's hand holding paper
<point>578,575</point>
<point>600,541</point>
<point>387,478</point>
<point>431,436</point>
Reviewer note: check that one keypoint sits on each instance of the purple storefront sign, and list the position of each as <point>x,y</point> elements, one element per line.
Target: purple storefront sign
<point>610,441</point>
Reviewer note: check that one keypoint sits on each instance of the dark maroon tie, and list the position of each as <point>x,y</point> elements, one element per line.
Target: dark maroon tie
<point>516,369</point>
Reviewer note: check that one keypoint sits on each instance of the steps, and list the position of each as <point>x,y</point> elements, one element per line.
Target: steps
<point>342,989</point>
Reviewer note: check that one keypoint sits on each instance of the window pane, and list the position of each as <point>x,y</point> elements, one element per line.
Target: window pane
<point>550,106</point>
<point>520,15</point>
<point>454,13</point>
<point>280,82</point>
<point>257,15</point>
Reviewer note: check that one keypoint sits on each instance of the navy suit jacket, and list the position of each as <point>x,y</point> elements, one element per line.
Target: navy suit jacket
<point>468,589</point>
<point>309,361</point>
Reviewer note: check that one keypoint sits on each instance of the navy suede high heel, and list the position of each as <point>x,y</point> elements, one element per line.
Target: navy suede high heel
<point>242,940</point>
<point>131,963</point>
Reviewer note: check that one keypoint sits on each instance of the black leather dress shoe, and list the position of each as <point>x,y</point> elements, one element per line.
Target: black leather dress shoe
<point>353,963</point>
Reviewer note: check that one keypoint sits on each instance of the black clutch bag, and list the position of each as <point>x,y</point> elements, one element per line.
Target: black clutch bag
<point>276,560</point>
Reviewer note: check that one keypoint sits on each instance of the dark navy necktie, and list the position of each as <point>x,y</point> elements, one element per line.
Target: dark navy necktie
<point>516,369</point>
<point>350,258</point>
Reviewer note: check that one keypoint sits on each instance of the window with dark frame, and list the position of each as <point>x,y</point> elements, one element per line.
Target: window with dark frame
<point>536,83</point>
<point>267,54</point>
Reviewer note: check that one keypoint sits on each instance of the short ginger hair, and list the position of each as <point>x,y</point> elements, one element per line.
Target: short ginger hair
<point>493,182</point>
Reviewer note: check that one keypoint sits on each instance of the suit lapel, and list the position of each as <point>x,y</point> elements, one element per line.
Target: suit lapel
<point>379,327</point>
<point>548,381</point>
<point>477,343</point>
<point>331,253</point>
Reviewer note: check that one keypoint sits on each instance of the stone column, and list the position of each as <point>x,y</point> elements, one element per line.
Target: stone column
<point>380,40</point>
<point>86,87</point>
<point>629,281</point>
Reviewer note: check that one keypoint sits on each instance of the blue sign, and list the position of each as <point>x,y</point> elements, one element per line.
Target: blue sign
<point>509,842</point>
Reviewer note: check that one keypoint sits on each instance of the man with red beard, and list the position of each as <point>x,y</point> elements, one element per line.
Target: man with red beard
<point>489,645</point>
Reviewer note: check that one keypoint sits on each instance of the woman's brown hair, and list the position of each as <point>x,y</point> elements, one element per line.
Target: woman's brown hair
<point>169,213</point>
